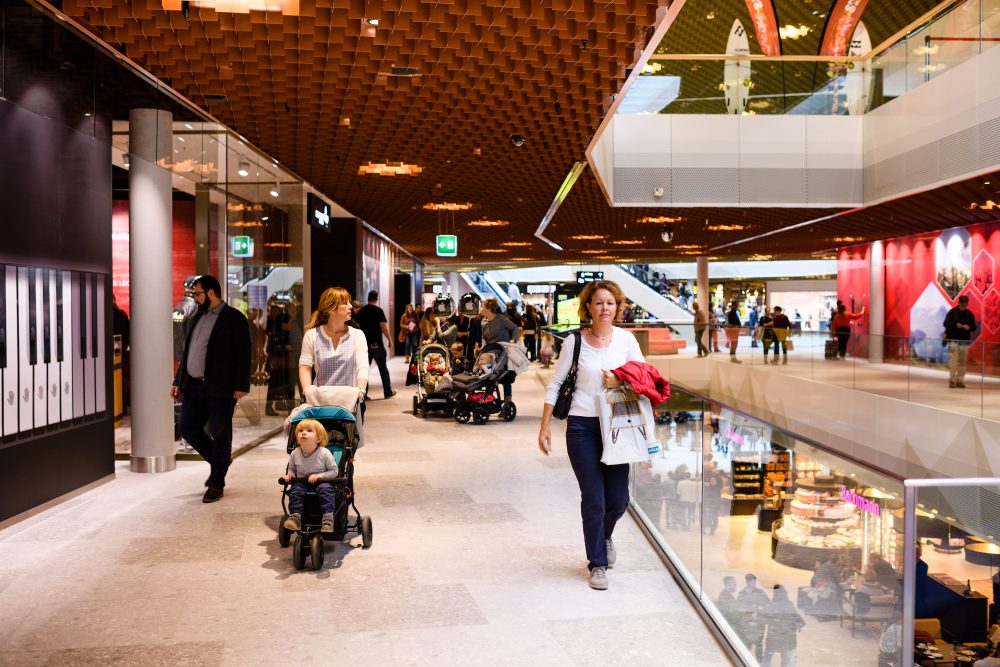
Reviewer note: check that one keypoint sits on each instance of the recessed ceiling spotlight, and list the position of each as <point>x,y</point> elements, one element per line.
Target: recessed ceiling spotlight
<point>372,21</point>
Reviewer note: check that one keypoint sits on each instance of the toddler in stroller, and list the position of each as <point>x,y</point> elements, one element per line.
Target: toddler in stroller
<point>476,395</point>
<point>318,487</point>
<point>311,463</point>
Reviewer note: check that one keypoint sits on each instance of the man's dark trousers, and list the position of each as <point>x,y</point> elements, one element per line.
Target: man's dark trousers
<point>216,446</point>
<point>377,354</point>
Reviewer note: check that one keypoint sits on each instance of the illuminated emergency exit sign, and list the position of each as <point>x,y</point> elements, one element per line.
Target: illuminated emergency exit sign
<point>447,245</point>
<point>242,246</point>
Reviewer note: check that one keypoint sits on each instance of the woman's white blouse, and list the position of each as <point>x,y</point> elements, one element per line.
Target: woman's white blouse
<point>347,365</point>
<point>590,373</point>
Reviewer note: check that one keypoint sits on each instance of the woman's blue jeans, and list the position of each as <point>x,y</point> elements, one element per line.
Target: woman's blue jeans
<point>603,488</point>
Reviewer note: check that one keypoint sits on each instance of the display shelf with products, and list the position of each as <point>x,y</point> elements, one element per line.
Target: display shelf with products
<point>747,485</point>
<point>817,524</point>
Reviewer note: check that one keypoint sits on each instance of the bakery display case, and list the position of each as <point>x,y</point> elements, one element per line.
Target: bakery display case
<point>817,524</point>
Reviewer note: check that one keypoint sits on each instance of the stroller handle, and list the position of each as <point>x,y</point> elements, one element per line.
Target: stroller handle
<point>286,482</point>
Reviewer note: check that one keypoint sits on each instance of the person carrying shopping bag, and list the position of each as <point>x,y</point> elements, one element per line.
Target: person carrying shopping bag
<point>588,357</point>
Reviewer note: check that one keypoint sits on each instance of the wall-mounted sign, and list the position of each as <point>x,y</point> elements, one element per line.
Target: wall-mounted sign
<point>541,289</point>
<point>318,211</point>
<point>862,503</point>
<point>447,245</point>
<point>584,277</point>
<point>242,246</point>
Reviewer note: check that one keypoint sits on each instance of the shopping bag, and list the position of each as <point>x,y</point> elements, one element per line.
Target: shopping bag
<point>830,348</point>
<point>789,345</point>
<point>627,426</point>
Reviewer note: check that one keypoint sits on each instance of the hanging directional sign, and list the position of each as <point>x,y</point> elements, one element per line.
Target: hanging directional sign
<point>242,246</point>
<point>447,245</point>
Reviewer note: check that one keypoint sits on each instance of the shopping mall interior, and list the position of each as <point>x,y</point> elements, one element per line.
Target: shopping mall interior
<point>793,200</point>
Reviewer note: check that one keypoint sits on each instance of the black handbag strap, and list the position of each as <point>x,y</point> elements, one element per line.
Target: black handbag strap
<point>577,340</point>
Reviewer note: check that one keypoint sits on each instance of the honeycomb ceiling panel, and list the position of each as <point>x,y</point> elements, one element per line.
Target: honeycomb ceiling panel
<point>443,86</point>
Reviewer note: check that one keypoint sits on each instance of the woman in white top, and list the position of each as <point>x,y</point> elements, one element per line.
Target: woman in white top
<point>603,488</point>
<point>335,352</point>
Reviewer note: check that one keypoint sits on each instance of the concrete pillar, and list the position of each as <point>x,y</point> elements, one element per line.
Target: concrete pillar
<point>703,288</point>
<point>876,302</point>
<point>454,286</point>
<point>150,255</point>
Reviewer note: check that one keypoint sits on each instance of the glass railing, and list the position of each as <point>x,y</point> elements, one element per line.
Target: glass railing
<point>819,87</point>
<point>918,368</point>
<point>802,555</point>
<point>772,535</point>
<point>965,31</point>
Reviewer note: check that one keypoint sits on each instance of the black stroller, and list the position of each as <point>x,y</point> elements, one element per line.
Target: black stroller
<point>476,395</point>
<point>342,428</point>
<point>432,364</point>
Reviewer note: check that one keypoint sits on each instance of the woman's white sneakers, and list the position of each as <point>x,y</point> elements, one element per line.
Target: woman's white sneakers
<point>599,579</point>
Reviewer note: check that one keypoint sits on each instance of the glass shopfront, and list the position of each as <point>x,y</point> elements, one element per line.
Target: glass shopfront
<point>798,554</point>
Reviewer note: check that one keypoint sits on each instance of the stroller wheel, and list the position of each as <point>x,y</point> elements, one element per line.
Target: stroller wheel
<point>480,416</point>
<point>462,415</point>
<point>508,411</point>
<point>366,531</point>
<point>284,535</point>
<point>299,547</point>
<point>316,551</point>
<point>416,405</point>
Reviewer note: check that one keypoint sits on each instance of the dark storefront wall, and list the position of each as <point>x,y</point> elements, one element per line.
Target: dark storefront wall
<point>56,186</point>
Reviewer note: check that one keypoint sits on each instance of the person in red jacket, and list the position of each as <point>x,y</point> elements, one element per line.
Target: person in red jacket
<point>842,327</point>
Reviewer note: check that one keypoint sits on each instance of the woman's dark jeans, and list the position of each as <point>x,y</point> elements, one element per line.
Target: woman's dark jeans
<point>843,336</point>
<point>603,488</point>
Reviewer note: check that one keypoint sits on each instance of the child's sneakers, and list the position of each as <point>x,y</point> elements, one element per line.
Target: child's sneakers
<point>327,523</point>
<point>293,522</point>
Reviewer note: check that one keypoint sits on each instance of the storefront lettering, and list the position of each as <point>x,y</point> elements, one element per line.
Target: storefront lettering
<point>863,504</point>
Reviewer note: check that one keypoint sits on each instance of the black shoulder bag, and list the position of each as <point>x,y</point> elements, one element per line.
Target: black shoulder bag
<point>565,398</point>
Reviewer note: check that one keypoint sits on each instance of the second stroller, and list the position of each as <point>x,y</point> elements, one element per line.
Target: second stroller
<point>476,395</point>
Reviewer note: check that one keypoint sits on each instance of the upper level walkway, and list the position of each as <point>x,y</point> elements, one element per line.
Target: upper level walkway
<point>477,559</point>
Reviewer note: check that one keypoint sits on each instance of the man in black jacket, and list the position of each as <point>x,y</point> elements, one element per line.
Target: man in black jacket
<point>959,324</point>
<point>213,374</point>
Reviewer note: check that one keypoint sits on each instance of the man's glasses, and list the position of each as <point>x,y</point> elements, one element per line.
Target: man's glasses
<point>198,292</point>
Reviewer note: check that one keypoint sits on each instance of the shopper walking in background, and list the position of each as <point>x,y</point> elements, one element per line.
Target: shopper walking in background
<point>408,325</point>
<point>428,327</point>
<point>751,602</point>
<point>959,324</point>
<point>765,328</point>
<point>530,331</point>
<point>497,329</point>
<point>718,317</point>
<point>752,318</point>
<point>603,488</point>
<point>842,327</point>
<point>733,325</point>
<point>213,374</point>
<point>782,330</point>
<point>700,327</point>
<point>783,624</point>
<point>372,321</point>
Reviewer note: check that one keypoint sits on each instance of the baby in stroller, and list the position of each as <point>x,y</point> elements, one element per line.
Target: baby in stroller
<point>434,370</point>
<point>311,461</point>
<point>476,394</point>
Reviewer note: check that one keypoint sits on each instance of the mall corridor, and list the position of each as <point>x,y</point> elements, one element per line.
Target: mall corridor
<point>476,560</point>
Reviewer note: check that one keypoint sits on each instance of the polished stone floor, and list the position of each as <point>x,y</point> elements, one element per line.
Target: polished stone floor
<point>477,560</point>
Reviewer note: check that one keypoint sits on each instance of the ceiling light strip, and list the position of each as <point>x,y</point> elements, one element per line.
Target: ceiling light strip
<point>560,197</point>
<point>788,229</point>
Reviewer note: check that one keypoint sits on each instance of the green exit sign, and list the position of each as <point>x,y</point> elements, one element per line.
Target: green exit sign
<point>447,245</point>
<point>242,246</point>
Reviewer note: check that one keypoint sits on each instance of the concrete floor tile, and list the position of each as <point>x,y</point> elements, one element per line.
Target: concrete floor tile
<point>477,560</point>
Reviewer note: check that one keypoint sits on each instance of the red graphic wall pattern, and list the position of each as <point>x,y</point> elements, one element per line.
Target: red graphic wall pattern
<point>924,276</point>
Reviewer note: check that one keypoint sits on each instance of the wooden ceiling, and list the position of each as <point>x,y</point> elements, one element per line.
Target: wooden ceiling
<point>319,92</point>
